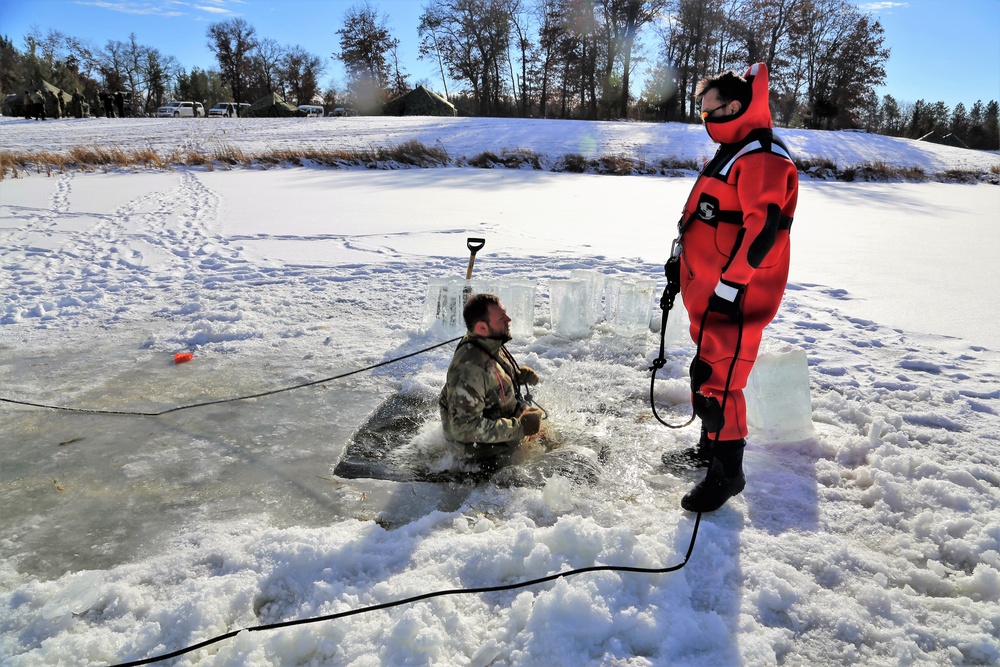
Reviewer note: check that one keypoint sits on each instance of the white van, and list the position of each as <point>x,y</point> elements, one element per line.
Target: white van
<point>312,111</point>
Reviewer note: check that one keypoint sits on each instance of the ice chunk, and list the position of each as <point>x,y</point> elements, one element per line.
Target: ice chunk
<point>678,324</point>
<point>518,297</point>
<point>779,408</point>
<point>80,592</point>
<point>445,299</point>
<point>443,305</point>
<point>569,314</point>
<point>593,301</point>
<point>629,304</point>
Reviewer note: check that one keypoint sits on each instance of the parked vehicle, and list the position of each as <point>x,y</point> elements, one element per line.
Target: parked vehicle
<point>181,109</point>
<point>229,110</point>
<point>221,109</point>
<point>341,111</point>
<point>312,111</point>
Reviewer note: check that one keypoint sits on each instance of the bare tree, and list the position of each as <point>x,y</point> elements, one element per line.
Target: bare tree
<point>471,37</point>
<point>300,71</point>
<point>623,20</point>
<point>841,51</point>
<point>136,57</point>
<point>113,65</point>
<point>429,46</point>
<point>579,48</point>
<point>59,58</point>
<point>398,84</point>
<point>157,73</point>
<point>366,46</point>
<point>550,31</point>
<point>520,21</point>
<point>233,41</point>
<point>266,61</point>
<point>764,26</point>
<point>689,39</point>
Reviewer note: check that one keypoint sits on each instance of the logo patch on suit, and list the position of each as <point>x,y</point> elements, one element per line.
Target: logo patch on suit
<point>708,209</point>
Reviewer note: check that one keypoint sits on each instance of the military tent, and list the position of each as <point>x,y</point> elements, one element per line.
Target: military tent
<point>54,96</point>
<point>14,104</point>
<point>271,105</point>
<point>419,102</point>
<point>946,140</point>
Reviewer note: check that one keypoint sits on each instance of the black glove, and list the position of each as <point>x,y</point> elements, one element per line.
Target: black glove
<point>728,300</point>
<point>531,421</point>
<point>672,270</point>
<point>527,375</point>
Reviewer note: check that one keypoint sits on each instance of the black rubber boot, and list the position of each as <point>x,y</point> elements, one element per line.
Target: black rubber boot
<point>691,458</point>
<point>724,480</point>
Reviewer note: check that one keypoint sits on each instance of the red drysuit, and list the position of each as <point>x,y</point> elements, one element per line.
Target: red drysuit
<point>735,229</point>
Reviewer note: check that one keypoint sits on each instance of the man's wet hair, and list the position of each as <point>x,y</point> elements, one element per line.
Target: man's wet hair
<point>477,309</point>
<point>731,86</point>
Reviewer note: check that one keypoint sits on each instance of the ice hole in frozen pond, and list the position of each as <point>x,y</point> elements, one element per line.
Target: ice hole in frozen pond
<point>402,440</point>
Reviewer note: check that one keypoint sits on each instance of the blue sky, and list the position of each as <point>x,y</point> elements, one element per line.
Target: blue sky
<point>946,50</point>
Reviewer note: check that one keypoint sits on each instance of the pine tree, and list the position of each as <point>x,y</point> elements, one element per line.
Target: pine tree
<point>991,126</point>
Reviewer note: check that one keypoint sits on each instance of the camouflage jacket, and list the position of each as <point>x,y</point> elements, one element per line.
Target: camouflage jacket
<point>479,402</point>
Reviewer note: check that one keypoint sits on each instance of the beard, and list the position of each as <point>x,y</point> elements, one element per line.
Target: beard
<point>502,335</point>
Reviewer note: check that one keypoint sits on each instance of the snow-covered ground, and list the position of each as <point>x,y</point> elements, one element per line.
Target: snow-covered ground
<point>877,541</point>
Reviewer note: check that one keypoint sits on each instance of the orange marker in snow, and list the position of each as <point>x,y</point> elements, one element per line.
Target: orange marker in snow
<point>181,357</point>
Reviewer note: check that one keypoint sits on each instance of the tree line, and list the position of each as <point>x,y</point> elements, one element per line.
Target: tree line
<point>540,58</point>
<point>152,78</point>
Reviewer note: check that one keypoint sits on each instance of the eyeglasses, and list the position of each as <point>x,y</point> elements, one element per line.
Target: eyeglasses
<point>707,114</point>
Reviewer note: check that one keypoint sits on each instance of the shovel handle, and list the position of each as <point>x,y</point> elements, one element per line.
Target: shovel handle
<point>475,245</point>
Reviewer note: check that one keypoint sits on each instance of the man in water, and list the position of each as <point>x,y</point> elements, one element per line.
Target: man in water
<point>482,408</point>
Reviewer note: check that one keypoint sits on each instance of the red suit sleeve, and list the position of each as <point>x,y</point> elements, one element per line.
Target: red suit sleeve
<point>765,183</point>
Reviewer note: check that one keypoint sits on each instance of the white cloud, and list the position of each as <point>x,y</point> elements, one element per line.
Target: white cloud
<point>213,10</point>
<point>127,7</point>
<point>884,7</point>
<point>168,8</point>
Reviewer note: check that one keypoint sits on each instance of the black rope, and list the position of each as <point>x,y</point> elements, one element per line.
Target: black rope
<point>525,395</point>
<point>229,400</point>
<point>732,368</point>
<point>425,596</point>
<point>670,293</point>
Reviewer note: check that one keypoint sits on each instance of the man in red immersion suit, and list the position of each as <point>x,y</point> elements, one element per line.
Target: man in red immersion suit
<point>732,259</point>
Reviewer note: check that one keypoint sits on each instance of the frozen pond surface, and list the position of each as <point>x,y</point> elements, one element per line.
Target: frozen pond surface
<point>872,542</point>
<point>85,491</point>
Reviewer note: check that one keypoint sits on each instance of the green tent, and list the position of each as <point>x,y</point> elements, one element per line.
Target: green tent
<point>271,105</point>
<point>14,103</point>
<point>52,96</point>
<point>946,140</point>
<point>419,102</point>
